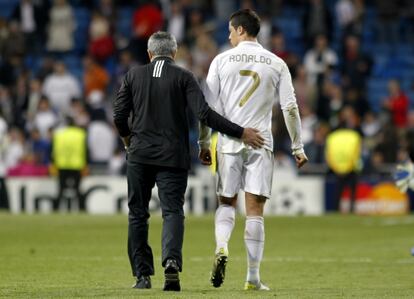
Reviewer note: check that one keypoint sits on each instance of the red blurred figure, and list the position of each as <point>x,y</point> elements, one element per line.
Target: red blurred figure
<point>397,103</point>
<point>102,45</point>
<point>147,19</point>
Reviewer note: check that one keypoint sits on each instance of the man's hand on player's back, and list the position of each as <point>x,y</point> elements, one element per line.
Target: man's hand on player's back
<point>252,137</point>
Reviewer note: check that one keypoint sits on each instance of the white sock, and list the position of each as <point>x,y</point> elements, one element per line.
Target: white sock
<point>254,237</point>
<point>224,224</point>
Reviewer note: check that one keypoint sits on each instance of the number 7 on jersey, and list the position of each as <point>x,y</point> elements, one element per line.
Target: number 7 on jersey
<point>256,82</point>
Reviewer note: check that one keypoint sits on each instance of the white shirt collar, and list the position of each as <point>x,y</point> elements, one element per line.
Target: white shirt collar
<point>249,43</point>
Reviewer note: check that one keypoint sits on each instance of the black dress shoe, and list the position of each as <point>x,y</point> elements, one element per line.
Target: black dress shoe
<point>143,282</point>
<point>172,280</point>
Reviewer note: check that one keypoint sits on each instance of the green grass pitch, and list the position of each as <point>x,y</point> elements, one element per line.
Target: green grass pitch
<point>81,256</point>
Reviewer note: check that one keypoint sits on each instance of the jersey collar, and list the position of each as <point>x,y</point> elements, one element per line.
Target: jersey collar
<point>249,43</point>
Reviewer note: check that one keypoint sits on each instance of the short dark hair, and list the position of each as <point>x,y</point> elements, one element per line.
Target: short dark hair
<point>248,19</point>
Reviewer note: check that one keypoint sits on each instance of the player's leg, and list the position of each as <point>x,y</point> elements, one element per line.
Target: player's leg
<point>224,222</point>
<point>141,180</point>
<point>228,184</point>
<point>257,186</point>
<point>254,237</point>
<point>172,183</point>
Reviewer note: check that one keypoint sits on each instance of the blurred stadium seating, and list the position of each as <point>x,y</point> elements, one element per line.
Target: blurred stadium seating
<point>390,61</point>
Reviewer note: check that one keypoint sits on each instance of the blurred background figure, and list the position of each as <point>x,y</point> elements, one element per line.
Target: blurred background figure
<point>356,65</point>
<point>317,21</point>
<point>4,198</point>
<point>15,149</point>
<point>95,77</point>
<point>397,104</point>
<point>343,154</point>
<point>101,45</point>
<point>61,27</point>
<point>101,141</point>
<point>61,87</point>
<point>44,118</point>
<point>146,20</point>
<point>176,22</point>
<point>318,60</point>
<point>69,158</point>
<point>32,18</point>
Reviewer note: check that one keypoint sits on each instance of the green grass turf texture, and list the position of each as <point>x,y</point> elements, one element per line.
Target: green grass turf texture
<point>334,256</point>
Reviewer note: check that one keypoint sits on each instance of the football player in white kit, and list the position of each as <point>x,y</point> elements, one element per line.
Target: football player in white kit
<point>243,84</point>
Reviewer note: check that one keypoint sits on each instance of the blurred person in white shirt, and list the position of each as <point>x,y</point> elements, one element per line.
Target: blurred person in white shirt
<point>101,139</point>
<point>176,22</point>
<point>45,118</point>
<point>15,149</point>
<point>61,27</point>
<point>318,59</point>
<point>345,12</point>
<point>61,87</point>
<point>117,163</point>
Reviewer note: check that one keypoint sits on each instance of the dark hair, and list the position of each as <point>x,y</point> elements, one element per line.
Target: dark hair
<point>248,19</point>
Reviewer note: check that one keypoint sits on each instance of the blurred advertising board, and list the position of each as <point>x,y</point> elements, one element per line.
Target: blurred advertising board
<point>372,198</point>
<point>108,195</point>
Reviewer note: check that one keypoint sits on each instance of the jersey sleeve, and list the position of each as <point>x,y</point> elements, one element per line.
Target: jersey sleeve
<point>290,110</point>
<point>212,90</point>
<point>212,93</point>
<point>286,91</point>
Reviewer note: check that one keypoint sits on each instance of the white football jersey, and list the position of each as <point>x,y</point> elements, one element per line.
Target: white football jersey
<point>243,84</point>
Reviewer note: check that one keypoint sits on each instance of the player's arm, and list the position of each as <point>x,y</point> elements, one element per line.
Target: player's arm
<point>122,108</point>
<point>291,115</point>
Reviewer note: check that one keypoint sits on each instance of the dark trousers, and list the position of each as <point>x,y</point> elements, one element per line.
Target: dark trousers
<point>4,198</point>
<point>351,180</point>
<point>69,180</point>
<point>171,183</point>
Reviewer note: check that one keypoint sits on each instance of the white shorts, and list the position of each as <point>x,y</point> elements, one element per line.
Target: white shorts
<point>250,170</point>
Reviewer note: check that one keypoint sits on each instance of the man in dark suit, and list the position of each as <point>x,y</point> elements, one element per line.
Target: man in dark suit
<point>157,144</point>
